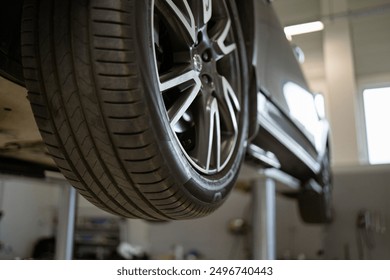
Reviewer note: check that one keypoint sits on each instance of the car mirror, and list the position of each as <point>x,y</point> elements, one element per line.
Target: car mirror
<point>299,54</point>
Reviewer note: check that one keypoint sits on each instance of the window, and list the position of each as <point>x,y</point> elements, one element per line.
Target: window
<point>377,119</point>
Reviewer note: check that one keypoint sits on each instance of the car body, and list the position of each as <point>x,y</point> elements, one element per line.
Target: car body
<point>296,126</point>
<point>287,129</point>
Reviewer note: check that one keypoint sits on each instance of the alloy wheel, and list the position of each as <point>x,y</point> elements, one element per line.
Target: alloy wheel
<point>197,62</point>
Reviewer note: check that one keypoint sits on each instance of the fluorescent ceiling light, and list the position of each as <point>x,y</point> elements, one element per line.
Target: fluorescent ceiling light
<point>303,28</point>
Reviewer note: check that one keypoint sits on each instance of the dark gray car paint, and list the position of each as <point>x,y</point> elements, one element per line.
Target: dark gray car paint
<point>275,64</point>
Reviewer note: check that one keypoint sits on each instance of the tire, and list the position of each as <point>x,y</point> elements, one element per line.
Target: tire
<point>315,207</point>
<point>144,113</point>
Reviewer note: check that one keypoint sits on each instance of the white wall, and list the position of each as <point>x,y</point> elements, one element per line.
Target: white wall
<point>209,236</point>
<point>357,189</point>
<point>29,208</point>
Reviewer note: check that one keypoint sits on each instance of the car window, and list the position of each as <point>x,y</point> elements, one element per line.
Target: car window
<point>302,108</point>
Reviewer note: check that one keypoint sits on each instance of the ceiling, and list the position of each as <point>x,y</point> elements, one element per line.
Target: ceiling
<point>369,22</point>
<point>299,11</point>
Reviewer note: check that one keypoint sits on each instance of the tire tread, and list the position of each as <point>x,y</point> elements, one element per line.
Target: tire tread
<point>90,109</point>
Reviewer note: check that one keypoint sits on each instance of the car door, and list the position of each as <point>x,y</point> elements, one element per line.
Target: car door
<point>274,59</point>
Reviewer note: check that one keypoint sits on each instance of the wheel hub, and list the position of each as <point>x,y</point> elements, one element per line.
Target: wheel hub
<point>204,62</point>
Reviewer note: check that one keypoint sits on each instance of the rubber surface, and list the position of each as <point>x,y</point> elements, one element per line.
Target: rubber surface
<point>90,89</point>
<point>314,207</point>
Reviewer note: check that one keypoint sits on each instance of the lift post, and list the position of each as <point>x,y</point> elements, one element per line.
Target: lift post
<point>66,223</point>
<point>265,185</point>
<point>66,217</point>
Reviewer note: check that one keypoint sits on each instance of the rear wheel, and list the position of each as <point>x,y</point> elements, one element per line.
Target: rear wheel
<point>142,104</point>
<point>316,207</point>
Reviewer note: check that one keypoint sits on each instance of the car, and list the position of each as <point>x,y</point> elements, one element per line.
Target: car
<point>149,108</point>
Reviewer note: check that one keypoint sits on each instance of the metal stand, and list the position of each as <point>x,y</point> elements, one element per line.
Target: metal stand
<point>66,216</point>
<point>264,189</point>
<point>66,223</point>
<point>2,187</point>
<point>264,220</point>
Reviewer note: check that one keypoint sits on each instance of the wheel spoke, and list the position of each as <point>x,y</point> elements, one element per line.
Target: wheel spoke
<point>220,41</point>
<point>177,111</point>
<point>190,84</point>
<point>214,145</point>
<point>177,77</point>
<point>232,105</point>
<point>208,151</point>
<point>207,10</point>
<point>185,18</point>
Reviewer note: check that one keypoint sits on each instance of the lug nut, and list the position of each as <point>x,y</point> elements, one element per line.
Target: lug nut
<point>206,56</point>
<point>207,79</point>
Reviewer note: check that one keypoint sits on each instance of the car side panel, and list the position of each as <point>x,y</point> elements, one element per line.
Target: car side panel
<point>276,65</point>
<point>274,59</point>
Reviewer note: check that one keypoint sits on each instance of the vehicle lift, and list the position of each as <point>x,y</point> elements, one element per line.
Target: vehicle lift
<point>265,184</point>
